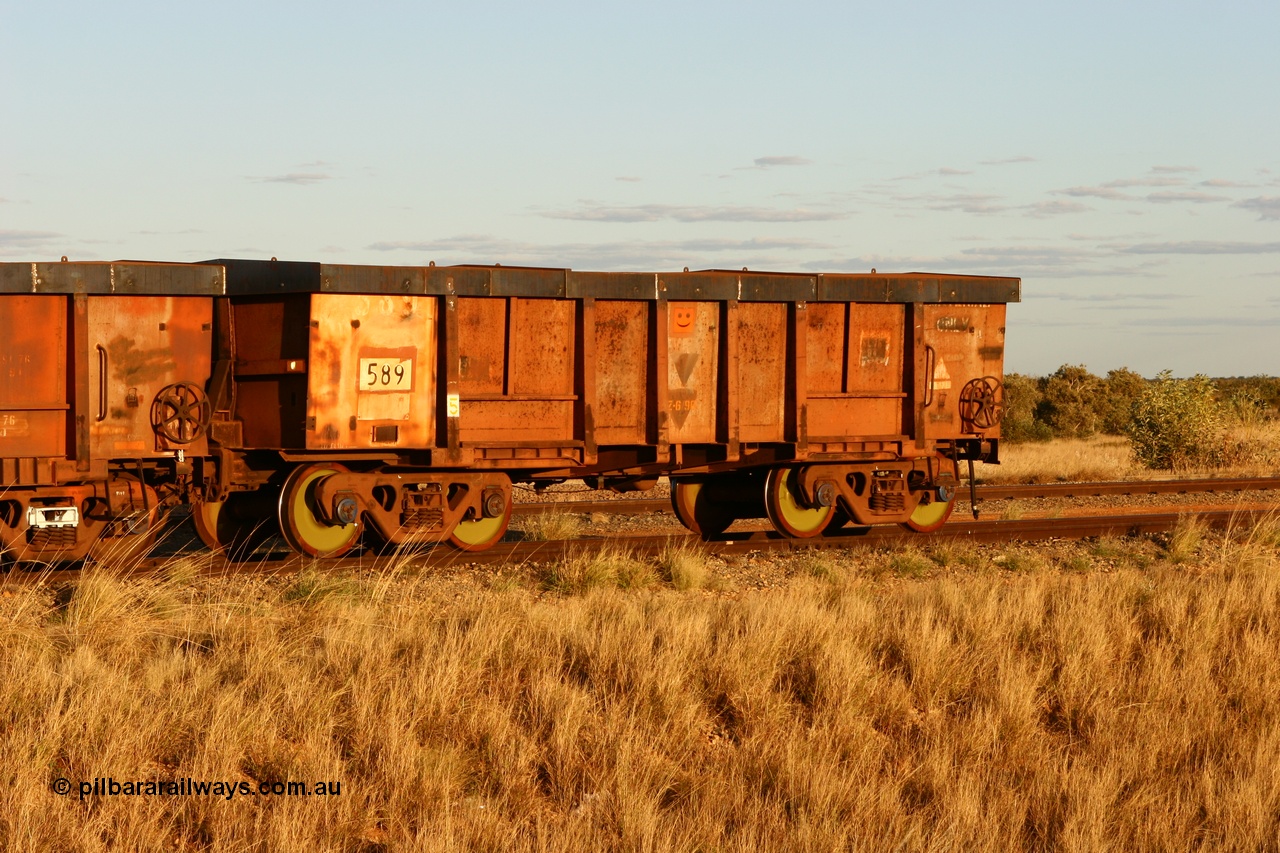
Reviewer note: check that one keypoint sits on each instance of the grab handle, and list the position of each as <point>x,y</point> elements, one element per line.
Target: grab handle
<point>930,364</point>
<point>102,383</point>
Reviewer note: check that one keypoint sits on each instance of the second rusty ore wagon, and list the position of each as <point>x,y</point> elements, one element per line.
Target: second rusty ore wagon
<point>405,401</point>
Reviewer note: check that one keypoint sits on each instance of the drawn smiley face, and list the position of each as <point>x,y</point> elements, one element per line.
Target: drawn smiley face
<point>683,318</point>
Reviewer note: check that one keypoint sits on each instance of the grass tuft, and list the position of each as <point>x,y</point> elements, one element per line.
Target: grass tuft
<point>552,526</point>
<point>684,566</point>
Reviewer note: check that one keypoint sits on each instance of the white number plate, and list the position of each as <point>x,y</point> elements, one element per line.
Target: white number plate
<point>386,374</point>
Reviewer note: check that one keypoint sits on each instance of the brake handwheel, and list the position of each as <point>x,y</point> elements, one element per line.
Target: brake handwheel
<point>982,402</point>
<point>181,412</point>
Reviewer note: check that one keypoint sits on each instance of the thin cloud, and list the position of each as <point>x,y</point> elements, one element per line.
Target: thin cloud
<point>26,239</point>
<point>1144,182</point>
<point>947,171</point>
<point>1267,207</point>
<point>1043,209</point>
<point>1219,183</point>
<point>788,160</point>
<point>1186,196</point>
<point>630,179</point>
<point>1202,247</point>
<point>298,178</point>
<point>968,203</point>
<point>1174,170</point>
<point>691,213</point>
<point>1106,193</point>
<point>1113,297</point>
<point>1194,321</point>
<point>1022,158</point>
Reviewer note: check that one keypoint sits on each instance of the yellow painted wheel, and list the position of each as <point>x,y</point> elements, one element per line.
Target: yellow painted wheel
<point>791,517</point>
<point>929,517</point>
<point>301,523</point>
<point>221,528</point>
<point>698,510</point>
<point>480,533</point>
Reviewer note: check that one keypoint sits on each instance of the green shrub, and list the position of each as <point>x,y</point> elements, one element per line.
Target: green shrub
<point>1071,400</point>
<point>1115,405</point>
<point>1021,399</point>
<point>1176,423</point>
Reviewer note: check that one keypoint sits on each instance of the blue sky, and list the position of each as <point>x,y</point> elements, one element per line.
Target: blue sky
<point>1123,160</point>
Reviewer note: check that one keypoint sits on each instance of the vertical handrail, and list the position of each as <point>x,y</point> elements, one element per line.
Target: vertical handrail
<point>930,364</point>
<point>102,383</point>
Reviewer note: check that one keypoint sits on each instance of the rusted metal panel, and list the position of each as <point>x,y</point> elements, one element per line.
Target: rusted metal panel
<point>854,369</point>
<point>371,371</point>
<point>248,277</point>
<point>693,349</point>
<point>622,338</point>
<point>697,285</point>
<point>516,421</point>
<point>259,278</point>
<point>762,371</point>
<point>115,277</point>
<point>482,362</point>
<point>917,287</point>
<point>517,366</point>
<point>962,343</point>
<point>139,346</point>
<point>755,287</point>
<point>272,406</point>
<point>34,402</point>
<point>827,344</point>
<point>542,347</point>
<point>611,285</point>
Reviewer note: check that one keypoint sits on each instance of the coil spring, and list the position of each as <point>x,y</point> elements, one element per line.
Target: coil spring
<point>887,502</point>
<point>415,520</point>
<point>52,537</point>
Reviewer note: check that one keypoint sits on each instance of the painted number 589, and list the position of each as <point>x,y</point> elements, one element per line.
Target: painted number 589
<point>386,374</point>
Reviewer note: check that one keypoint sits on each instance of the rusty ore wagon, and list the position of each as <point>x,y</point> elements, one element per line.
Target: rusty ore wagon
<point>404,402</point>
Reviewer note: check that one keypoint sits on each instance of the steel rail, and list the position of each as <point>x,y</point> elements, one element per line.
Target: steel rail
<point>1131,488</point>
<point>745,542</point>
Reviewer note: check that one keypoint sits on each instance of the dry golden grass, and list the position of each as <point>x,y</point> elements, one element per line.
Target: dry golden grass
<point>951,698</point>
<point>1247,450</point>
<point>549,526</point>
<point>1064,460</point>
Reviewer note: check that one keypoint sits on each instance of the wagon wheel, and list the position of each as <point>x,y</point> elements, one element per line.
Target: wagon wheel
<point>181,412</point>
<point>697,510</point>
<point>480,533</point>
<point>928,517</point>
<point>982,402</point>
<point>302,524</point>
<point>221,528</point>
<point>786,508</point>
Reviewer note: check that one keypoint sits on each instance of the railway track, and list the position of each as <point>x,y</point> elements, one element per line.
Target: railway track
<point>633,506</point>
<point>743,542</point>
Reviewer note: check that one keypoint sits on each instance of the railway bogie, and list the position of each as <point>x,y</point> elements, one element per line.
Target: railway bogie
<point>330,402</point>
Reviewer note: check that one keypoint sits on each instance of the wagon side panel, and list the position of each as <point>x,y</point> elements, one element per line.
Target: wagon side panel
<point>517,370</point>
<point>34,400</point>
<point>964,344</point>
<point>371,371</point>
<point>763,371</point>
<point>622,339</point>
<point>139,346</point>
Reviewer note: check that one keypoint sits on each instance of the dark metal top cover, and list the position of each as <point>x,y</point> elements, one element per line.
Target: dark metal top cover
<point>127,278</point>
<point>249,278</point>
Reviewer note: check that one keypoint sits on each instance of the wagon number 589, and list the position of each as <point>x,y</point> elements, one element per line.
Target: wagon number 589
<point>386,374</point>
